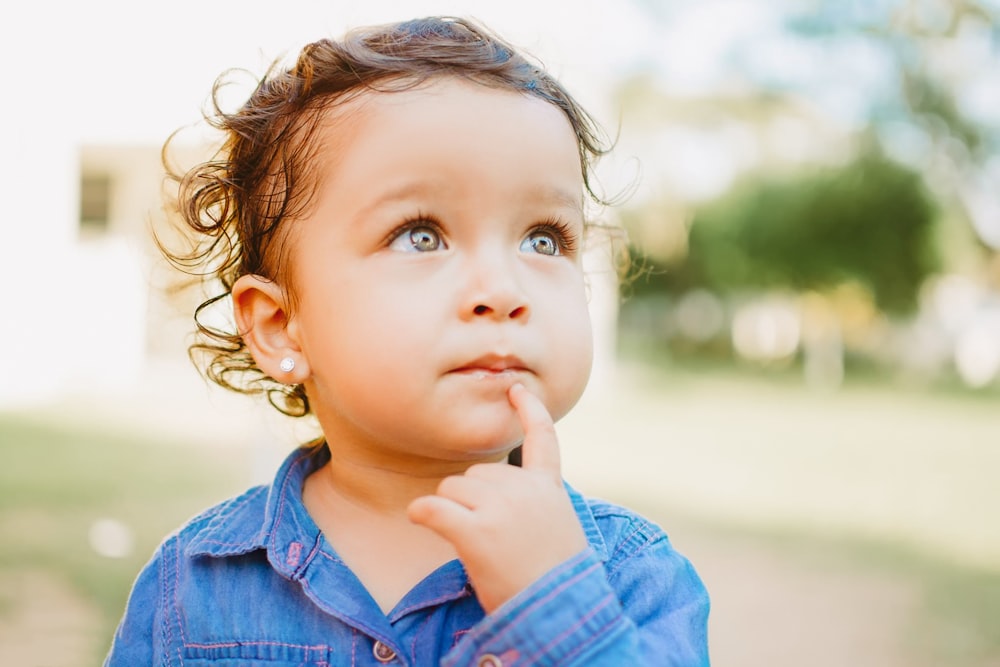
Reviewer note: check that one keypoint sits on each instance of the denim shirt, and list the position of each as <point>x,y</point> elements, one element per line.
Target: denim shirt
<point>252,581</point>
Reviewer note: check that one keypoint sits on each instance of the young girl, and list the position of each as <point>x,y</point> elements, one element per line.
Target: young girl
<point>399,219</point>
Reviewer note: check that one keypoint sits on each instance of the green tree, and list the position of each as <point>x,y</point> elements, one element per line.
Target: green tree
<point>870,222</point>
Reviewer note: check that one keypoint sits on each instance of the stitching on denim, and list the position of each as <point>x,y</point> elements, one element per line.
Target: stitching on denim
<point>606,510</point>
<point>624,542</point>
<point>177,608</point>
<point>648,532</point>
<point>281,490</point>
<point>572,629</point>
<point>312,554</point>
<point>592,638</point>
<point>238,504</point>
<point>221,543</point>
<point>588,519</point>
<point>369,631</point>
<point>173,599</point>
<point>311,649</point>
<point>330,557</point>
<point>441,598</point>
<point>354,647</point>
<point>163,578</point>
<point>416,636</point>
<point>232,644</point>
<point>639,550</point>
<point>224,512</point>
<point>548,596</point>
<point>278,515</point>
<point>456,637</point>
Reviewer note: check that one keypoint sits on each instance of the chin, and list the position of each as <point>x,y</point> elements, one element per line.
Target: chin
<point>491,445</point>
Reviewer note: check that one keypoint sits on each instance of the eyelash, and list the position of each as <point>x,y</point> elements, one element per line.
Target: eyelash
<point>563,232</point>
<point>412,222</point>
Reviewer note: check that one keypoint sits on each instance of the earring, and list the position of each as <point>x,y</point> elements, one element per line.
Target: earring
<point>287,365</point>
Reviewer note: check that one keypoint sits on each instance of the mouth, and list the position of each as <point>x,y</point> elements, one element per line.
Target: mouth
<point>492,366</point>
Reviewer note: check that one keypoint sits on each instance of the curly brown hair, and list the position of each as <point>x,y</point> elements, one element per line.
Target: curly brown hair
<point>234,206</point>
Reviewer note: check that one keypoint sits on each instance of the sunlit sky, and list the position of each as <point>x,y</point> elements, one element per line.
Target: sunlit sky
<point>124,71</point>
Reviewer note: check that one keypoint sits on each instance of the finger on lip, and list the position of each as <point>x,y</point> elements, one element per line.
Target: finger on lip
<point>540,448</point>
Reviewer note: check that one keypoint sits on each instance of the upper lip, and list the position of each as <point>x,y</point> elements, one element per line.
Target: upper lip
<point>495,363</point>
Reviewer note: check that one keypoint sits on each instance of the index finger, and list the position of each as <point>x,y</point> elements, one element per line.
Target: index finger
<point>540,449</point>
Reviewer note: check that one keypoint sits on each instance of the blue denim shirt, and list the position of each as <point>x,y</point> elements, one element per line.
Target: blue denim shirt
<point>253,582</point>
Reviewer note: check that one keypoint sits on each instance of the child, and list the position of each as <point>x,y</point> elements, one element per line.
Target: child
<point>399,220</point>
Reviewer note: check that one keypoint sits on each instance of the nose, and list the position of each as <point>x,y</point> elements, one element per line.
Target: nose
<point>494,292</point>
<point>484,310</point>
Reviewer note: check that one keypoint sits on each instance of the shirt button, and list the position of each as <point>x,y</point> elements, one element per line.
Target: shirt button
<point>489,660</point>
<point>383,653</point>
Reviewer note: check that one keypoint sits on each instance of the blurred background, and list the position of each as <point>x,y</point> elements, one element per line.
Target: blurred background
<point>799,377</point>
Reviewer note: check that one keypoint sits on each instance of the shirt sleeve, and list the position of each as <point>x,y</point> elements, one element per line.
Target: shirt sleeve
<point>134,641</point>
<point>652,609</point>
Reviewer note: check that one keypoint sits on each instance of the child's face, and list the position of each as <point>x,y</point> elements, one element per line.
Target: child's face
<point>432,272</point>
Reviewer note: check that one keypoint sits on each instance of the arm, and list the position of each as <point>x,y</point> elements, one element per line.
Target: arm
<point>134,640</point>
<point>652,611</point>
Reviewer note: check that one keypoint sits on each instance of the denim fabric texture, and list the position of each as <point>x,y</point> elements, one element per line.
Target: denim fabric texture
<point>252,581</point>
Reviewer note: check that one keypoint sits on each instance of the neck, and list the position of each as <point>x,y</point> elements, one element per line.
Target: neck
<point>377,484</point>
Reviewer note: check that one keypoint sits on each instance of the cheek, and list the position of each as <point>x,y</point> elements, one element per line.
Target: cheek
<point>573,354</point>
<point>583,346</point>
<point>371,331</point>
<point>577,321</point>
<point>566,309</point>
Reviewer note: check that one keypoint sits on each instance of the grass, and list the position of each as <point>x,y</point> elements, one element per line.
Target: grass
<point>56,481</point>
<point>883,481</point>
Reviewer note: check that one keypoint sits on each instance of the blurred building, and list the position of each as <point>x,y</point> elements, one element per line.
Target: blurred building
<point>77,267</point>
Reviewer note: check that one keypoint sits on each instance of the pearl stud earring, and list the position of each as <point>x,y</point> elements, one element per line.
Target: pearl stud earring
<point>287,365</point>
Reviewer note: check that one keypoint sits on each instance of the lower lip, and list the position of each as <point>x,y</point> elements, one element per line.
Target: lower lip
<point>488,374</point>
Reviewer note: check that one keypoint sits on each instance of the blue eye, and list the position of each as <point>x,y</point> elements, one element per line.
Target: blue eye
<point>541,242</point>
<point>419,238</point>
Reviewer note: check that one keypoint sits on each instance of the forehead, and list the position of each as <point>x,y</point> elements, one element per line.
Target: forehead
<point>451,134</point>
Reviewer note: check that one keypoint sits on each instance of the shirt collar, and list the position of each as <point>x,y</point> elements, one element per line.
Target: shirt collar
<point>275,518</point>
<point>265,517</point>
<point>593,533</point>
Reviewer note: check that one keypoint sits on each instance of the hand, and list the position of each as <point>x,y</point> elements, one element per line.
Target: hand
<point>509,525</point>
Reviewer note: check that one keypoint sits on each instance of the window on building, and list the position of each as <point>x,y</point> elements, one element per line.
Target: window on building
<point>95,203</point>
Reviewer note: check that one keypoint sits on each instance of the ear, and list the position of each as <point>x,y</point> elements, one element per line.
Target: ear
<point>261,312</point>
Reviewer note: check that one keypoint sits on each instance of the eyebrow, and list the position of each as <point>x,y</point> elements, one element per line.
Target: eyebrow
<point>541,194</point>
<point>404,192</point>
<point>553,195</point>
